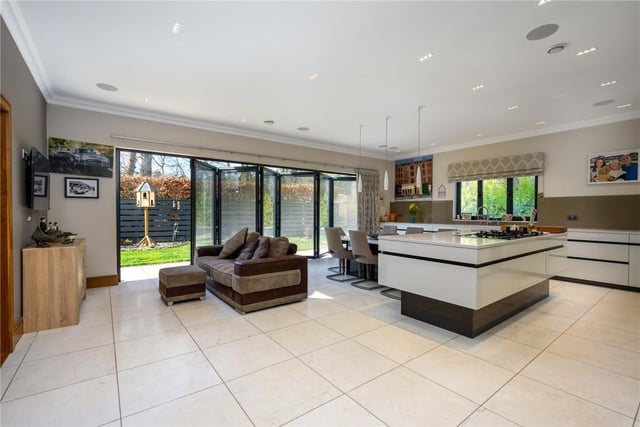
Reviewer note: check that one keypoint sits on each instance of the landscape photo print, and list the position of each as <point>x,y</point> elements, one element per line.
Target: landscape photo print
<point>80,158</point>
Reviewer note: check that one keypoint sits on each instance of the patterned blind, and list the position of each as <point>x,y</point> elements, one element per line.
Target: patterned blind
<point>499,167</point>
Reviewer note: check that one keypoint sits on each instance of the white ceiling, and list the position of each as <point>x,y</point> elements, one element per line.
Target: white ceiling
<point>252,60</point>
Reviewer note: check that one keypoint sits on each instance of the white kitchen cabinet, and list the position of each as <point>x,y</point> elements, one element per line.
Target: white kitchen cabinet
<point>634,260</point>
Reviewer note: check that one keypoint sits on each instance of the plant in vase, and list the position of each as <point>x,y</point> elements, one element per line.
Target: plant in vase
<point>413,211</point>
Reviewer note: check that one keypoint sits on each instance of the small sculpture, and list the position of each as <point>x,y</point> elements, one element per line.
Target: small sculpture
<point>42,239</point>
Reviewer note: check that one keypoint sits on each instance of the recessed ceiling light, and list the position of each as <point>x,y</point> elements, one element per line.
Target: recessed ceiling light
<point>541,123</point>
<point>612,82</point>
<point>396,150</point>
<point>479,134</point>
<point>477,87</point>
<point>176,27</point>
<point>146,99</point>
<point>513,107</point>
<point>542,32</point>
<point>604,102</point>
<point>303,129</point>
<point>107,87</point>
<point>382,146</point>
<point>541,2</point>
<point>433,144</point>
<point>269,122</point>
<point>584,52</point>
<point>624,106</point>
<point>425,57</point>
<point>244,120</point>
<point>557,48</point>
<point>313,76</point>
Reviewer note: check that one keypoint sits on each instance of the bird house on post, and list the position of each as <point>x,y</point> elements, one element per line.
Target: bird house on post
<point>146,198</point>
<point>145,195</point>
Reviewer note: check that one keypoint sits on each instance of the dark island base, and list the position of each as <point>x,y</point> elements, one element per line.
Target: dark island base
<point>466,321</point>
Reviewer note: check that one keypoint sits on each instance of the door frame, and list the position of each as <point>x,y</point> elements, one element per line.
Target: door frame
<point>6,231</point>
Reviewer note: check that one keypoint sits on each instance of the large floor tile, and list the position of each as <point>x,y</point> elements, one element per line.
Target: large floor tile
<point>544,320</point>
<point>387,311</point>
<point>525,333</point>
<point>132,285</point>
<point>528,402</point>
<point>141,298</point>
<point>160,382</point>
<point>402,397</point>
<point>19,351</point>
<point>572,308</point>
<point>149,308</point>
<point>88,403</point>
<point>496,350</point>
<point>57,371</point>
<point>69,339</point>
<point>606,335</point>
<point>145,326</point>
<point>205,314</point>
<point>317,307</point>
<point>483,417</point>
<point>395,343</point>
<point>6,376</point>
<point>611,358</point>
<point>281,393</point>
<point>275,318</point>
<point>342,411</point>
<point>356,298</point>
<point>164,345</point>
<point>244,356</point>
<point>351,323</point>
<point>214,406</point>
<point>222,331</point>
<point>613,391</point>
<point>305,337</point>
<point>347,364</point>
<point>426,330</point>
<point>472,378</point>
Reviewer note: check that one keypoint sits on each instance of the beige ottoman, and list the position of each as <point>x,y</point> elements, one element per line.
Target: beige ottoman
<point>181,283</point>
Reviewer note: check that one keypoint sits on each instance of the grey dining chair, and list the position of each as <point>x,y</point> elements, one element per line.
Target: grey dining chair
<point>414,230</point>
<point>364,257</point>
<point>388,230</point>
<point>337,250</point>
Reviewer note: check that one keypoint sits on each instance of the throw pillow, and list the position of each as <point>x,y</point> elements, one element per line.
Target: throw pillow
<point>247,250</point>
<point>234,243</point>
<point>278,246</point>
<point>251,237</point>
<point>262,251</point>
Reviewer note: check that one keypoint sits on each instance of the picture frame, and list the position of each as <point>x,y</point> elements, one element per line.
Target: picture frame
<point>80,158</point>
<point>613,167</point>
<point>405,187</point>
<point>81,188</point>
<point>40,185</point>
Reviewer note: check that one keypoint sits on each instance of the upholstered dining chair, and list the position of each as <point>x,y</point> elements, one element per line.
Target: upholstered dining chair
<point>414,230</point>
<point>388,230</point>
<point>364,257</point>
<point>337,250</point>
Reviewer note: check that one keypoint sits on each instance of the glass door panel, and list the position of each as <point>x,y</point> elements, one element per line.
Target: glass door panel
<point>325,203</point>
<point>269,203</point>
<point>296,211</point>
<point>237,200</point>
<point>345,204</point>
<point>204,204</point>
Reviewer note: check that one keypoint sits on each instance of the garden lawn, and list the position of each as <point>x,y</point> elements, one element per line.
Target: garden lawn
<point>146,256</point>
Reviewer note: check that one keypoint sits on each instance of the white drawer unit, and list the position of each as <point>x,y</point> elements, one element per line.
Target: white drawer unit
<point>600,257</point>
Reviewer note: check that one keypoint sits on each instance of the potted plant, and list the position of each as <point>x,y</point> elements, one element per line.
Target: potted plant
<point>413,210</point>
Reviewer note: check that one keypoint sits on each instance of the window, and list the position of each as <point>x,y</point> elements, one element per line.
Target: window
<point>515,196</point>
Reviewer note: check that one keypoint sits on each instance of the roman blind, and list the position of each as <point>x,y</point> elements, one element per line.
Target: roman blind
<point>499,167</point>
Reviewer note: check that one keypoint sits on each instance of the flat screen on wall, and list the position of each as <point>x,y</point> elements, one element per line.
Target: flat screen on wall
<point>37,184</point>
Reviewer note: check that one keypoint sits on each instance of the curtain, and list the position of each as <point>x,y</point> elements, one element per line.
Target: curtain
<point>368,207</point>
<point>499,167</point>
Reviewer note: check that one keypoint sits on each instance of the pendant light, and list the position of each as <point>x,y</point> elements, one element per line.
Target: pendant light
<point>418,171</point>
<point>360,168</point>
<point>385,184</point>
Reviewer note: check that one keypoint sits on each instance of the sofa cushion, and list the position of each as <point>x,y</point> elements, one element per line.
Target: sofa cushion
<point>234,243</point>
<point>278,246</point>
<point>247,250</point>
<point>251,237</point>
<point>262,250</point>
<point>265,282</point>
<point>210,263</point>
<point>223,274</point>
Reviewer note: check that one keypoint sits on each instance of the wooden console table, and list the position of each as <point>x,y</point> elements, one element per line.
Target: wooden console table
<point>54,285</point>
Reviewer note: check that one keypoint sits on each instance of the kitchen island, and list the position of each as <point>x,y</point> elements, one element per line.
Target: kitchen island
<point>464,283</point>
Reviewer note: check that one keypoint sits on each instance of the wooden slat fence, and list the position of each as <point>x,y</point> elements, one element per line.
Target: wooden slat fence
<point>161,221</point>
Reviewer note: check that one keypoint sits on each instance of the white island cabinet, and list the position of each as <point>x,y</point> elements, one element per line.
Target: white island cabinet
<point>467,284</point>
<point>634,260</point>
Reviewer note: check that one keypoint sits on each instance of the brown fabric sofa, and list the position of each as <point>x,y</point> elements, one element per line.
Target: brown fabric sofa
<point>254,284</point>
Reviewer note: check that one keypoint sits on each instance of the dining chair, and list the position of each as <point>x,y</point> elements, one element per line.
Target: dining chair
<point>363,256</point>
<point>337,250</point>
<point>388,230</point>
<point>414,230</point>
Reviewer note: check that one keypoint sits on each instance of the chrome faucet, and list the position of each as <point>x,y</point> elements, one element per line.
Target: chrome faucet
<point>486,209</point>
<point>532,218</point>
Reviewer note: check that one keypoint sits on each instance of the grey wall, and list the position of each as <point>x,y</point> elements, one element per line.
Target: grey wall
<point>29,129</point>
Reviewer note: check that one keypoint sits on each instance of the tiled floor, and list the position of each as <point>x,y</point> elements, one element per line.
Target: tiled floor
<point>345,356</point>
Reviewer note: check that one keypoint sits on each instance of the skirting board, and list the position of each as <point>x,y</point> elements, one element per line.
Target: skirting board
<point>100,281</point>
<point>467,321</point>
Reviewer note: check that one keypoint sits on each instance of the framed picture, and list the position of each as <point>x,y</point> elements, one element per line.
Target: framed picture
<point>81,188</point>
<point>40,185</point>
<point>80,158</point>
<point>405,187</point>
<point>613,167</point>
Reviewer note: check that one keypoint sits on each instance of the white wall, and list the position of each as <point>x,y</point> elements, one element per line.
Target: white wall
<point>566,154</point>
